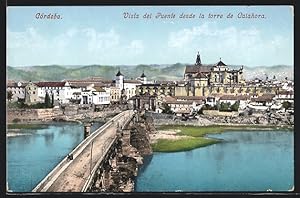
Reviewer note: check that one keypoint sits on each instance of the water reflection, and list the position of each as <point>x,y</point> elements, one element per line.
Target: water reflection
<point>188,154</point>
<point>48,137</point>
<point>146,161</point>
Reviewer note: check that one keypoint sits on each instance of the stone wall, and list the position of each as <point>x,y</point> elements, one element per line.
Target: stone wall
<point>26,115</point>
<point>234,89</point>
<point>167,119</point>
<point>220,113</point>
<point>266,119</point>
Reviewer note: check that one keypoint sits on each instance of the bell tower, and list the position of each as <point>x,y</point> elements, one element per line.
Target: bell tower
<point>120,80</point>
<point>198,60</point>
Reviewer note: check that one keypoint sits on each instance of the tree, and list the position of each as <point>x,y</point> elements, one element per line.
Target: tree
<point>52,101</point>
<point>224,106</point>
<point>286,105</point>
<point>47,101</point>
<point>235,106</point>
<point>9,95</point>
<point>166,109</point>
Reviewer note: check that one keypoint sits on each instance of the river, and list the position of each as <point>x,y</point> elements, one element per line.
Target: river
<point>244,161</point>
<point>30,157</point>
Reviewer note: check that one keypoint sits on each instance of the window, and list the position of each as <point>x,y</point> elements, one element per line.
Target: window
<point>33,92</point>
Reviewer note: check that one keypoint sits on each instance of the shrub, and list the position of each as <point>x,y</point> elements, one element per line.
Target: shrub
<point>235,106</point>
<point>166,109</point>
<point>9,95</point>
<point>286,105</point>
<point>16,120</point>
<point>225,107</point>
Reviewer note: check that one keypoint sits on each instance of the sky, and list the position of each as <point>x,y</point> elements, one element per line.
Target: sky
<point>102,35</point>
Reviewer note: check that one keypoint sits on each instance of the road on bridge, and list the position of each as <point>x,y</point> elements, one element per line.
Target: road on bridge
<point>73,176</point>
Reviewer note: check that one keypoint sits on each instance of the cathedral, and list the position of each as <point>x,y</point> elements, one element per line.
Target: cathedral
<point>217,74</point>
<point>209,79</point>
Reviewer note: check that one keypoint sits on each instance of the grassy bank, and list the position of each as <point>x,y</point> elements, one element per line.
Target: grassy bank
<point>27,126</point>
<point>200,131</point>
<point>197,134</point>
<point>185,144</point>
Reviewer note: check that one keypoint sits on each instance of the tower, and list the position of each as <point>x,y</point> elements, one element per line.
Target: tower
<point>143,78</point>
<point>198,59</point>
<point>120,80</point>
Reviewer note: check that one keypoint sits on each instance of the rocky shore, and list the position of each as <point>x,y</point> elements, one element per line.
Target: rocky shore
<point>268,119</point>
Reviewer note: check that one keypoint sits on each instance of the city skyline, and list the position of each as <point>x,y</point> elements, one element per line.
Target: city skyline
<point>101,35</point>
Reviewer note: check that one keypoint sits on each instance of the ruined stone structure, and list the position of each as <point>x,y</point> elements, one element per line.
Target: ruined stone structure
<point>117,172</point>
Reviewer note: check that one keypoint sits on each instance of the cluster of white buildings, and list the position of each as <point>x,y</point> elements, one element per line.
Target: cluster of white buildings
<point>93,90</point>
<point>98,91</point>
<point>183,105</point>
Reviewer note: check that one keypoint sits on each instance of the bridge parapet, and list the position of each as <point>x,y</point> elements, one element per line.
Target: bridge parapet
<point>122,119</point>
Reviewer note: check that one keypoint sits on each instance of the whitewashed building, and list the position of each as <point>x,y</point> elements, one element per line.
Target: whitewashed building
<point>61,91</point>
<point>285,95</point>
<point>127,87</point>
<point>92,95</point>
<point>17,90</point>
<point>243,100</point>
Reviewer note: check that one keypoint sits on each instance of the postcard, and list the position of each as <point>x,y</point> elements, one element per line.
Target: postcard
<point>150,99</point>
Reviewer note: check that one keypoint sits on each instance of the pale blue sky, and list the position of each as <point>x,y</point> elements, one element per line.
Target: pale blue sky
<point>100,35</point>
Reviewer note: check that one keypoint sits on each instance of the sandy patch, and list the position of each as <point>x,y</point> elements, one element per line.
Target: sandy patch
<point>166,134</point>
<point>14,134</point>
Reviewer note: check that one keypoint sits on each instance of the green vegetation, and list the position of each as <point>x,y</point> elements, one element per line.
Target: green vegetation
<point>22,105</point>
<point>227,107</point>
<point>57,73</point>
<point>200,131</point>
<point>197,134</point>
<point>48,103</point>
<point>166,109</point>
<point>27,126</point>
<point>208,107</point>
<point>153,72</point>
<point>9,95</point>
<point>235,106</point>
<point>286,105</point>
<point>184,144</point>
<point>16,120</point>
<point>194,131</point>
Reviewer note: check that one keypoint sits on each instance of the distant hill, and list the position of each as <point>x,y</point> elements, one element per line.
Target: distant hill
<point>153,72</point>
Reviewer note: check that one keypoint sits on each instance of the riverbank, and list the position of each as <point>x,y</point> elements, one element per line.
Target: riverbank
<point>175,138</point>
<point>258,119</point>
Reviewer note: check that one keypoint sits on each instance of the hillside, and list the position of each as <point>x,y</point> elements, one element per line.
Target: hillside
<point>153,72</point>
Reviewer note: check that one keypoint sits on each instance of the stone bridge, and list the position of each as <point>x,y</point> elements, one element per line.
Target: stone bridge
<point>89,157</point>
